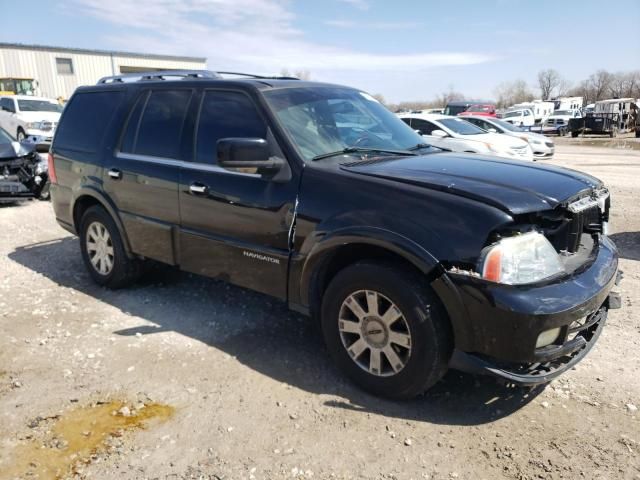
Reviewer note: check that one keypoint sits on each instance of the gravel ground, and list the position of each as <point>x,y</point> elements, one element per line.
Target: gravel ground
<point>246,390</point>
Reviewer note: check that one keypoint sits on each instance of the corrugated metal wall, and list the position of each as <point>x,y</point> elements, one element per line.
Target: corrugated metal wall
<point>88,68</point>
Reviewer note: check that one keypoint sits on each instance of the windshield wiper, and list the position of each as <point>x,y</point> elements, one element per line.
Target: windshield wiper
<point>426,145</point>
<point>348,150</point>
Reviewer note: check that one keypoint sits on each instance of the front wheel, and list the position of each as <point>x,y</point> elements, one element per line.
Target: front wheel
<point>103,250</point>
<point>20,135</point>
<point>386,331</point>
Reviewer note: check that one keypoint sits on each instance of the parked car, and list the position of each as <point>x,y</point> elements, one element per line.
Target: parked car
<point>458,135</point>
<point>27,117</point>
<point>521,117</point>
<point>412,260</point>
<point>23,173</point>
<point>542,146</point>
<point>558,123</point>
<point>456,107</point>
<point>480,109</point>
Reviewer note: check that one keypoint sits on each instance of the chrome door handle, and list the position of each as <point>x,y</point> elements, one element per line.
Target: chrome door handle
<point>198,188</point>
<point>115,174</point>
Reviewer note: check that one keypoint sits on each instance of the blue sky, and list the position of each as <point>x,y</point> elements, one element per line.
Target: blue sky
<point>405,50</point>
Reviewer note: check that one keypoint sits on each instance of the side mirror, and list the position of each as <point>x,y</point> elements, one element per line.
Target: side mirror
<point>439,133</point>
<point>419,132</point>
<point>247,153</point>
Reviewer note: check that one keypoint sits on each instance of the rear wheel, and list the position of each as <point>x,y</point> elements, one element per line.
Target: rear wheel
<point>389,334</point>
<point>103,250</point>
<point>574,134</point>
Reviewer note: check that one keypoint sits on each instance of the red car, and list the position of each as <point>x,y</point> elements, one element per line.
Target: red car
<point>480,109</point>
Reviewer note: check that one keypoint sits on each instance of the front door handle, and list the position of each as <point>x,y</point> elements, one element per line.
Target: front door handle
<point>198,189</point>
<point>115,174</point>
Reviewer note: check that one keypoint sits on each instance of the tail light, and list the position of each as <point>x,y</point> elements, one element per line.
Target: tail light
<point>52,169</point>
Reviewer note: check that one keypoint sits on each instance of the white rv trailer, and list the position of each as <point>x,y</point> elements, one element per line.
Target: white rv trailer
<point>568,103</point>
<point>541,109</point>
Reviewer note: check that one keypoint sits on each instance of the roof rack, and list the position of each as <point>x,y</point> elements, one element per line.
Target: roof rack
<point>260,77</point>
<point>158,75</point>
<point>163,74</point>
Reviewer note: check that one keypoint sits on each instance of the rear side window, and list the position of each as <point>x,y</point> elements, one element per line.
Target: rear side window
<point>224,115</point>
<point>425,127</point>
<point>158,132</point>
<point>85,120</point>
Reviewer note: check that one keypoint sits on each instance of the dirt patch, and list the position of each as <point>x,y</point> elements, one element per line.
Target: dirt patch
<point>74,438</point>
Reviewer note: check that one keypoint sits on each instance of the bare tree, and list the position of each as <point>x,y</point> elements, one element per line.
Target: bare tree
<point>509,93</point>
<point>548,81</point>
<point>301,74</point>
<point>600,85</point>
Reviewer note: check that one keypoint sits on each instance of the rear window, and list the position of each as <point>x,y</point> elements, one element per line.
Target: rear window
<point>85,120</point>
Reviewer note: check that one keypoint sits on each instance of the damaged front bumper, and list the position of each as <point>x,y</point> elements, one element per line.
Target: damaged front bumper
<point>497,326</point>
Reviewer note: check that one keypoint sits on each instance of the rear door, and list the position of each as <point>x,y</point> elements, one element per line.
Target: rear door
<point>141,175</point>
<point>234,224</point>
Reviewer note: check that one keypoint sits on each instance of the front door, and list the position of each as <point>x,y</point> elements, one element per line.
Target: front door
<point>235,225</point>
<point>141,176</point>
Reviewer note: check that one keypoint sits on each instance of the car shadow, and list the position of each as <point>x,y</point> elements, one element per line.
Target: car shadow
<point>628,244</point>
<point>264,335</point>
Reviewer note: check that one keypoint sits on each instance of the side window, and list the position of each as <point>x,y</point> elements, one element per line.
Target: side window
<point>423,125</point>
<point>224,115</point>
<point>85,120</point>
<point>406,120</point>
<point>7,104</point>
<point>158,132</point>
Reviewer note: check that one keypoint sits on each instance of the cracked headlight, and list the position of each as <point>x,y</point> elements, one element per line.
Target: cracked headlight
<point>520,259</point>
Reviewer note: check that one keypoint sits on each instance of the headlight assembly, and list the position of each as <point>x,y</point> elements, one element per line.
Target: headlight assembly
<point>520,259</point>
<point>33,125</point>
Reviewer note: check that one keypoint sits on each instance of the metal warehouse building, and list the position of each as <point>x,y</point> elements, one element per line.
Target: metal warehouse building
<point>56,72</point>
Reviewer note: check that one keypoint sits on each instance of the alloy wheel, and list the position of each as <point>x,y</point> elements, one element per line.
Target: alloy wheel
<point>100,248</point>
<point>375,333</point>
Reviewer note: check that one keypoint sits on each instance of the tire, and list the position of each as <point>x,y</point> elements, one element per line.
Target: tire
<point>122,271</point>
<point>574,134</point>
<point>20,135</point>
<point>423,339</point>
<point>637,132</point>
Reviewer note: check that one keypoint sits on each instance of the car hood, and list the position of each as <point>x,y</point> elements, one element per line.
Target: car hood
<point>514,186</point>
<point>11,150</point>
<point>39,116</point>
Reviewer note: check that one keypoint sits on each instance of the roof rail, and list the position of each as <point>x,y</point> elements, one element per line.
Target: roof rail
<point>260,77</point>
<point>158,75</point>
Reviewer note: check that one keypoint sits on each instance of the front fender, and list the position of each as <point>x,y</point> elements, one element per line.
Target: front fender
<point>305,267</point>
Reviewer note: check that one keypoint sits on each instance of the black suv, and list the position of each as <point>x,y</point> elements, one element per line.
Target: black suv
<point>412,259</point>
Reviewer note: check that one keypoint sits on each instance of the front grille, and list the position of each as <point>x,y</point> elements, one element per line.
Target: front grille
<point>568,228</point>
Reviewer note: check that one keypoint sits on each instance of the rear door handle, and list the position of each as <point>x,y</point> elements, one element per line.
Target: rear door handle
<point>115,174</point>
<point>198,189</point>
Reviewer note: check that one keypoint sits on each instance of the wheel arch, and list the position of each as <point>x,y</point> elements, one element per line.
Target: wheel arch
<point>336,251</point>
<point>89,197</point>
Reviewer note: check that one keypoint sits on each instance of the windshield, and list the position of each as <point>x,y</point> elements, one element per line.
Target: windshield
<point>480,108</point>
<point>5,137</point>
<point>461,127</point>
<point>454,110</point>
<point>38,106</point>
<point>329,119</point>
<point>507,126</point>
<point>512,114</point>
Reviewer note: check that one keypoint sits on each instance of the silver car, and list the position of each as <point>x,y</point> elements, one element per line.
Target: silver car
<point>543,147</point>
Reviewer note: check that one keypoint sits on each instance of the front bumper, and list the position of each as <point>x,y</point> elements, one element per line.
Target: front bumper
<point>498,325</point>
